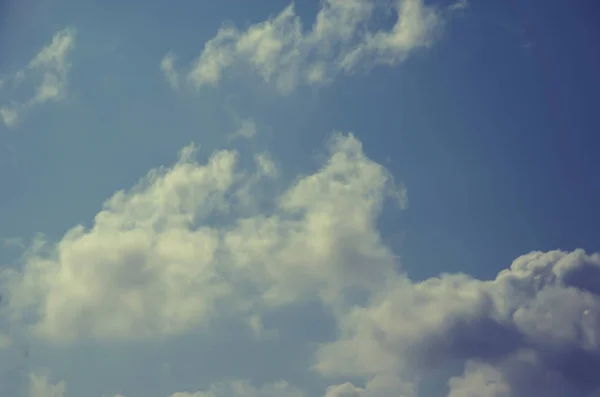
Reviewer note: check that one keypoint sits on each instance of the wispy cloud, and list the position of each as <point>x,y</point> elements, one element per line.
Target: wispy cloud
<point>41,386</point>
<point>48,71</point>
<point>246,129</point>
<point>167,66</point>
<point>340,41</point>
<point>459,5</point>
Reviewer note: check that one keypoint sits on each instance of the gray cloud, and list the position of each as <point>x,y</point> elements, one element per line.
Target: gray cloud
<point>534,330</point>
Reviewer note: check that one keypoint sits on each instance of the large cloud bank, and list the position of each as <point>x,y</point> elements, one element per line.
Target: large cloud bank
<point>195,243</point>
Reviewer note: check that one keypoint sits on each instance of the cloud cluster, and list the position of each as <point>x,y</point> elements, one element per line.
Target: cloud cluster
<point>47,71</point>
<point>341,40</point>
<point>533,330</point>
<point>185,245</point>
<point>194,244</point>
<point>188,245</point>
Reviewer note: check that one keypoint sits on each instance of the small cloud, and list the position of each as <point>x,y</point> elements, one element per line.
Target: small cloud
<point>41,386</point>
<point>52,62</point>
<point>265,165</point>
<point>5,341</point>
<point>15,242</point>
<point>167,66</point>
<point>50,68</point>
<point>459,5</point>
<point>247,129</point>
<point>9,116</point>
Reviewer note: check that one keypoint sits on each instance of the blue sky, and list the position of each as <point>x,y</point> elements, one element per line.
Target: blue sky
<point>317,168</point>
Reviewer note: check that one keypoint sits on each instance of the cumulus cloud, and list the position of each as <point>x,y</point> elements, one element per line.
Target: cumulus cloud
<point>533,330</point>
<point>189,245</point>
<point>341,40</point>
<point>185,245</point>
<point>47,71</point>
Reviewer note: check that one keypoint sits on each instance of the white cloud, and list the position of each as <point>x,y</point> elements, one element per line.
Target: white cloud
<point>48,71</point>
<point>40,386</point>
<point>188,246</point>
<point>153,264</point>
<point>52,62</point>
<point>167,66</point>
<point>340,41</point>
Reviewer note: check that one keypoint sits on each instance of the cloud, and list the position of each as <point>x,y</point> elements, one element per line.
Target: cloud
<point>40,386</point>
<point>5,341</point>
<point>9,115</point>
<point>533,330</point>
<point>341,40</point>
<point>247,129</point>
<point>240,388</point>
<point>459,5</point>
<point>167,66</point>
<point>48,71</point>
<point>196,243</point>
<point>187,245</point>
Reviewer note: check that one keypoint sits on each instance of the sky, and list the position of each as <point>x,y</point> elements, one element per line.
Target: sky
<point>319,198</point>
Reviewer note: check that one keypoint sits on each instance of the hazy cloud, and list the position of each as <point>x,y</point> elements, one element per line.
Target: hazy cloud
<point>167,66</point>
<point>47,71</point>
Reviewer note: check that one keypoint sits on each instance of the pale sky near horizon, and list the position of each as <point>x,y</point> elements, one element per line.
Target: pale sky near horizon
<point>324,198</point>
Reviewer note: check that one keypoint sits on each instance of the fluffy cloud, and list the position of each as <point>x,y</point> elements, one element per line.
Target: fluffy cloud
<point>48,71</point>
<point>194,243</point>
<point>341,40</point>
<point>186,245</point>
<point>533,330</point>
